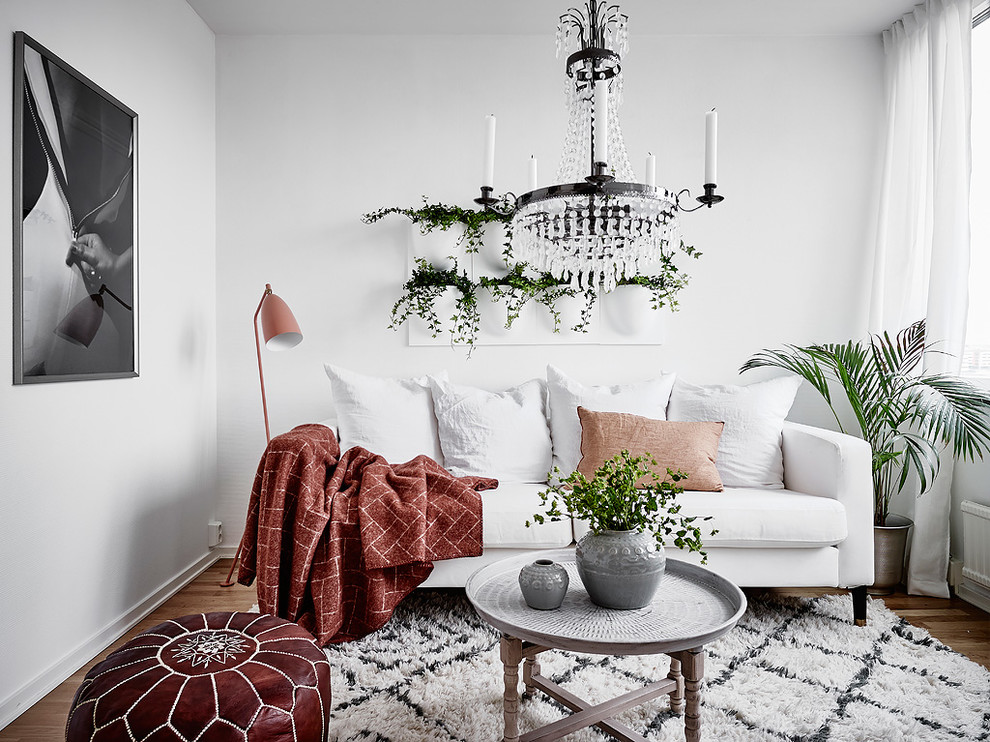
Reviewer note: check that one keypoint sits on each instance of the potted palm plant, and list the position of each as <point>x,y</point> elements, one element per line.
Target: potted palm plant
<point>631,511</point>
<point>906,415</point>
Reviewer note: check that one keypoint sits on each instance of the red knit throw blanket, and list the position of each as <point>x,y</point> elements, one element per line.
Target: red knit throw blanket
<point>337,540</point>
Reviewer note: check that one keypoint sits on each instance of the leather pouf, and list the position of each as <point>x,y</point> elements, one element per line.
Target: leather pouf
<point>212,676</point>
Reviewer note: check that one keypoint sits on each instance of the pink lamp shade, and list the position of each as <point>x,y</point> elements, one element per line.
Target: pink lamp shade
<point>278,324</point>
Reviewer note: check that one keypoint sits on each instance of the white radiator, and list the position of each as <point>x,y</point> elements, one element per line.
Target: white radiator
<point>976,542</point>
<point>975,585</point>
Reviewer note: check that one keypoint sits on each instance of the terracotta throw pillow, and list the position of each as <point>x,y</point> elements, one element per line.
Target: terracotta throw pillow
<point>688,446</point>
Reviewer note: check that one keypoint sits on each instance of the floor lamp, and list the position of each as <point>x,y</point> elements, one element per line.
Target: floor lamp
<point>281,332</point>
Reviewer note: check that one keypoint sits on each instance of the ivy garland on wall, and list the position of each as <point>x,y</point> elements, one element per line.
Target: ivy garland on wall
<point>442,217</point>
<point>519,285</point>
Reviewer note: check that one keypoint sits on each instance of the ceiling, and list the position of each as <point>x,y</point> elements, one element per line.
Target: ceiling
<point>680,17</point>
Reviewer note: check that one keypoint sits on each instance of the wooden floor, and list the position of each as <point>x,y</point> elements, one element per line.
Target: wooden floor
<point>956,623</point>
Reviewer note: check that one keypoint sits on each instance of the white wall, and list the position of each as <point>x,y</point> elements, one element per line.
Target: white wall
<point>314,131</point>
<point>106,487</point>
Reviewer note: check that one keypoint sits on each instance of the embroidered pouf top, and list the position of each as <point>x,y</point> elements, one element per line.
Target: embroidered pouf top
<point>208,677</point>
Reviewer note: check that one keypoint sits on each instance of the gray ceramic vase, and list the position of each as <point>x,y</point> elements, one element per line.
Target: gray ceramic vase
<point>620,569</point>
<point>543,584</point>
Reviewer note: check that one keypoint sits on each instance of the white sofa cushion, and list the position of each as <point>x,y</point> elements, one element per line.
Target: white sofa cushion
<point>391,417</point>
<point>749,452</point>
<point>762,518</point>
<point>505,512</point>
<point>645,398</point>
<point>755,517</point>
<point>493,434</point>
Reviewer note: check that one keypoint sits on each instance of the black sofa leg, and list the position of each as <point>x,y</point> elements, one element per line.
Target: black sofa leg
<point>859,604</point>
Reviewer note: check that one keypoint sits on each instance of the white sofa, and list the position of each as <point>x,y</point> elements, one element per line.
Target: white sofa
<point>811,528</point>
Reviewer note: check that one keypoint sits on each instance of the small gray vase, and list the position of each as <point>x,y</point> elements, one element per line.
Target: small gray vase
<point>620,569</point>
<point>543,584</point>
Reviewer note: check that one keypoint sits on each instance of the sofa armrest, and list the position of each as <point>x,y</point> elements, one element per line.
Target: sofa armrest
<point>828,464</point>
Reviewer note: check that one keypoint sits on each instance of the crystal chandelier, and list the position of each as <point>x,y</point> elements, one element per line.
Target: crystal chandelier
<point>597,225</point>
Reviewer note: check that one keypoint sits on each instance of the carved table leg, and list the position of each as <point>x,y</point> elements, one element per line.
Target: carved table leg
<point>676,696</point>
<point>531,667</point>
<point>511,650</point>
<point>693,667</point>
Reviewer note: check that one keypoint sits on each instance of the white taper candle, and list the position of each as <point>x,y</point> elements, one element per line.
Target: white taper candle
<point>488,172</point>
<point>711,147</point>
<point>651,169</point>
<point>601,121</point>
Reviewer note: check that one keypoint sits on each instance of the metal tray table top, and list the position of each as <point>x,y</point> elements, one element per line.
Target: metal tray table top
<point>692,606</point>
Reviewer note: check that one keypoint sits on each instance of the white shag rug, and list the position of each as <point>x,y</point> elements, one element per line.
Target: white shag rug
<point>793,669</point>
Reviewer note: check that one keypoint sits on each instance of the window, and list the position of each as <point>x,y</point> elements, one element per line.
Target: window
<point>976,356</point>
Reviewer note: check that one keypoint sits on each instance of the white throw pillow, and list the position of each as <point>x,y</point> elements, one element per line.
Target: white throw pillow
<point>644,398</point>
<point>749,453</point>
<point>390,417</point>
<point>493,434</point>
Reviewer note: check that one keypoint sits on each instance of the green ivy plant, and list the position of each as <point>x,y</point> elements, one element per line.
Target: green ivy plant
<point>430,217</point>
<point>616,499</point>
<point>517,287</point>
<point>420,294</point>
<point>667,283</point>
<point>428,283</point>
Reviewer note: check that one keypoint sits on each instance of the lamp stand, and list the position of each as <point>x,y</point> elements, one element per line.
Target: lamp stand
<point>264,406</point>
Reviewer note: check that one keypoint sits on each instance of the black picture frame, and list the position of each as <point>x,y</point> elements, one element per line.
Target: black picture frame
<point>75,224</point>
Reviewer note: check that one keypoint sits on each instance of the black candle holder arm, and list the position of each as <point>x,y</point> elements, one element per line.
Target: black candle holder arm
<point>709,199</point>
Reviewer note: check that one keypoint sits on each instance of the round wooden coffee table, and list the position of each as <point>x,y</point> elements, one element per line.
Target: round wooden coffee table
<point>692,607</point>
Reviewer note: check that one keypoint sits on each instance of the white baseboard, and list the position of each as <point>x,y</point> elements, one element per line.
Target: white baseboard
<point>51,677</point>
<point>223,552</point>
<point>974,593</point>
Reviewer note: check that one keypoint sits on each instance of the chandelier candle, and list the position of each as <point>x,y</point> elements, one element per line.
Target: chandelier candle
<point>711,147</point>
<point>488,173</point>
<point>601,122</point>
<point>597,226</point>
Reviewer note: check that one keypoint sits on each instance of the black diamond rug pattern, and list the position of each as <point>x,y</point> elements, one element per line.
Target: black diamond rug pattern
<point>794,669</point>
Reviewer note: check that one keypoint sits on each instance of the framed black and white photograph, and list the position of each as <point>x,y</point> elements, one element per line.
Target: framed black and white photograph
<point>75,224</point>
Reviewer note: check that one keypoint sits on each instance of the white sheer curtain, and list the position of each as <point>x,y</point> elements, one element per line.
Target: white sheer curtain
<point>922,252</point>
